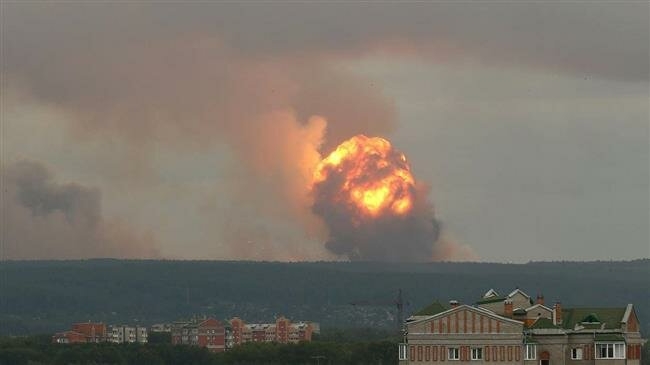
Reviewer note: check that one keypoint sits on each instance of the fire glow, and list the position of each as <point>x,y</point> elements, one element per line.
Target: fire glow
<point>369,176</point>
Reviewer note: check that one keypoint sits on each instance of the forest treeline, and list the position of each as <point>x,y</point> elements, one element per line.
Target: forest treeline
<point>47,296</point>
<point>37,350</point>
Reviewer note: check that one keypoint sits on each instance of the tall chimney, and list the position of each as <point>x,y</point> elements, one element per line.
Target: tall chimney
<point>453,303</point>
<point>507,308</point>
<point>540,299</point>
<point>558,313</point>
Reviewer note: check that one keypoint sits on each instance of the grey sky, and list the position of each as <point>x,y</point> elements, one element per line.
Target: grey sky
<point>529,121</point>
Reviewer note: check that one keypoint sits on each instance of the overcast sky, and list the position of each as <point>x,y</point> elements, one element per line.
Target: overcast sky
<point>182,130</point>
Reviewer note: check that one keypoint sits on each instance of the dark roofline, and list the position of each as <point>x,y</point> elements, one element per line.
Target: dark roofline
<point>491,300</point>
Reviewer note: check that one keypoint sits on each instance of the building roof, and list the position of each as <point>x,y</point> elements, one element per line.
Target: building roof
<point>487,312</point>
<point>610,317</point>
<point>519,311</point>
<point>431,309</point>
<point>491,300</point>
<point>539,306</point>
<point>490,293</point>
<point>543,323</point>
<point>518,291</point>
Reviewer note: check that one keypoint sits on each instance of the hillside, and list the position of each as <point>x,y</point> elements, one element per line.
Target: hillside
<point>46,296</point>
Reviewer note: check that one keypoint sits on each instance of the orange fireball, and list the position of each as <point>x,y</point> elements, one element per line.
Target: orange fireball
<point>369,175</point>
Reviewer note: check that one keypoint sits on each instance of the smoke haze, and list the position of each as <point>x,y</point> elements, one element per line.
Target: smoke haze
<point>268,82</point>
<point>45,219</point>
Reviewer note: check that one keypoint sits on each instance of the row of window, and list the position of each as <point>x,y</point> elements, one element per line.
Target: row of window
<point>612,350</point>
<point>455,353</point>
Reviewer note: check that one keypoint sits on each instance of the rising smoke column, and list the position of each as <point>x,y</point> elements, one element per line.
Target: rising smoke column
<point>373,207</point>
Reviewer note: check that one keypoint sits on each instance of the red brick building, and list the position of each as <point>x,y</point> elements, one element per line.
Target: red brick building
<point>206,332</point>
<point>82,333</point>
<point>282,331</point>
<point>69,337</point>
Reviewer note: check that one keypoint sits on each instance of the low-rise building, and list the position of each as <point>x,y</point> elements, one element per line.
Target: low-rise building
<point>514,329</point>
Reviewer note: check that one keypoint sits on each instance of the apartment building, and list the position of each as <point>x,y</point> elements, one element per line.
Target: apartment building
<point>82,333</point>
<point>128,334</point>
<point>515,329</point>
<point>282,331</point>
<point>203,332</point>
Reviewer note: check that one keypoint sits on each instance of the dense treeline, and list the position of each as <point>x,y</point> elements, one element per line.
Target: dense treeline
<point>37,350</point>
<point>46,296</point>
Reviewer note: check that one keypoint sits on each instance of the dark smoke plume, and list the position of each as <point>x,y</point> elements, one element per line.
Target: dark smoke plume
<point>384,234</point>
<point>49,220</point>
<point>383,238</point>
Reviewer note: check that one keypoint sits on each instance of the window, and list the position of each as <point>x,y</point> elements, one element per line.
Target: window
<point>610,350</point>
<point>531,352</point>
<point>453,353</point>
<point>402,351</point>
<point>576,353</point>
<point>477,353</point>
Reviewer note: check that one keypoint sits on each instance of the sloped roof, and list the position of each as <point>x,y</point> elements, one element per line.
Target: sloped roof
<point>538,306</point>
<point>519,311</point>
<point>489,313</point>
<point>543,323</point>
<point>491,300</point>
<point>431,309</point>
<point>611,317</point>
<point>490,293</point>
<point>518,291</point>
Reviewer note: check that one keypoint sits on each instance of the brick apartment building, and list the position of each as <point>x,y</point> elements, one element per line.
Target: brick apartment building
<point>282,331</point>
<point>204,332</point>
<point>514,329</point>
<point>82,333</point>
<point>99,332</point>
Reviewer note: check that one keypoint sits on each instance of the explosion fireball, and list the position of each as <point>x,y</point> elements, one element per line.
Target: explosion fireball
<point>376,179</point>
<point>368,198</point>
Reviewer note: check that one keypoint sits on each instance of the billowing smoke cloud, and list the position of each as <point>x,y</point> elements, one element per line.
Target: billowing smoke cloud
<point>409,238</point>
<point>373,207</point>
<point>188,77</point>
<point>49,220</point>
<point>265,110</point>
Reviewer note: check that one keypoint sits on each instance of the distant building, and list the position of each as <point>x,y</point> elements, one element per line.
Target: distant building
<point>161,327</point>
<point>204,332</point>
<point>282,331</point>
<point>514,329</point>
<point>128,334</point>
<point>94,332</point>
<point>82,333</point>
<point>98,332</point>
<point>67,337</point>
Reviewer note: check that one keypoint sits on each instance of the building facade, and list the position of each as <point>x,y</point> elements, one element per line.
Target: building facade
<point>282,331</point>
<point>89,332</point>
<point>68,337</point>
<point>82,333</point>
<point>205,332</point>
<point>128,334</point>
<point>514,329</point>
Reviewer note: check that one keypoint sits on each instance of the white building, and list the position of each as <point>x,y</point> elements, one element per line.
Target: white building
<point>128,334</point>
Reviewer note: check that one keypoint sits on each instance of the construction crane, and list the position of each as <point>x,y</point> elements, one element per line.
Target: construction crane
<point>398,302</point>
